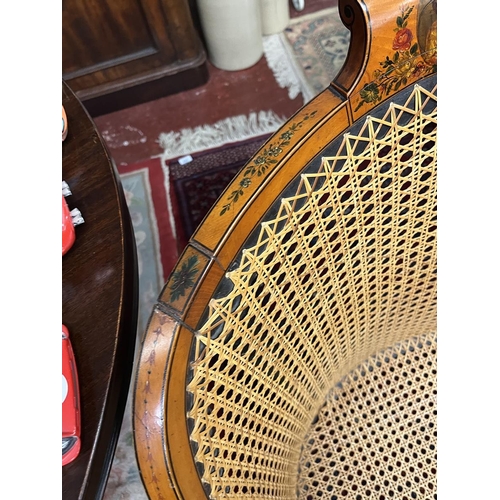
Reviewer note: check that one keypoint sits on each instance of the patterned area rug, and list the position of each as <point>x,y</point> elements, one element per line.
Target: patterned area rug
<point>157,251</point>
<point>319,43</point>
<point>199,183</point>
<point>309,54</point>
<point>138,195</point>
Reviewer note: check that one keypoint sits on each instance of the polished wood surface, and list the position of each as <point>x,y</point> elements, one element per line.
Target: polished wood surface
<point>99,299</point>
<point>118,54</point>
<point>379,30</point>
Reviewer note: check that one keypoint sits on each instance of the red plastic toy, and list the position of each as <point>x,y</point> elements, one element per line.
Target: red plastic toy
<point>69,220</point>
<point>70,402</point>
<point>68,230</point>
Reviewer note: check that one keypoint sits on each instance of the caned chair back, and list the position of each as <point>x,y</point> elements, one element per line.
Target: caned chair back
<point>292,352</point>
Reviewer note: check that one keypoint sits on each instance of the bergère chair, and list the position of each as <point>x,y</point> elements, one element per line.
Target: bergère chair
<point>292,352</point>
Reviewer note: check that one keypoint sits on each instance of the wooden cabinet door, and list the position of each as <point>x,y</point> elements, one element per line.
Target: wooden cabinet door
<point>110,46</point>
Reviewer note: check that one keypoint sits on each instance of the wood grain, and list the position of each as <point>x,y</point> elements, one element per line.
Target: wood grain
<point>99,299</point>
<point>112,47</point>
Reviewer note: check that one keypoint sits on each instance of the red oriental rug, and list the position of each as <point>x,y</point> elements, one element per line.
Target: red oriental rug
<point>198,184</point>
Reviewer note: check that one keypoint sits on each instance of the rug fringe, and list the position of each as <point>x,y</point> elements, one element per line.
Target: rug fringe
<point>279,63</point>
<point>231,129</point>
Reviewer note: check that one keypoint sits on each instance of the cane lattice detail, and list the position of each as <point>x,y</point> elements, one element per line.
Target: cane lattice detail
<point>375,436</point>
<point>344,269</point>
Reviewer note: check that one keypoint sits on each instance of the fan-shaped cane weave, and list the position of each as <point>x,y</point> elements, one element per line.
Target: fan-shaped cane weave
<point>345,267</point>
<point>375,437</point>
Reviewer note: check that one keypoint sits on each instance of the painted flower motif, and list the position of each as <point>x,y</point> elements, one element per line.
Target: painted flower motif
<point>419,69</point>
<point>405,63</point>
<point>404,69</point>
<point>402,40</point>
<point>370,93</point>
<point>183,278</point>
<point>275,150</point>
<point>262,162</point>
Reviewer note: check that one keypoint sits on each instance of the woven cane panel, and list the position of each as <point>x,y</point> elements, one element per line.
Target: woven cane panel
<point>345,267</point>
<point>376,435</point>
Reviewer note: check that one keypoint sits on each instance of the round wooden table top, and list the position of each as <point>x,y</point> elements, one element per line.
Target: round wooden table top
<point>99,299</point>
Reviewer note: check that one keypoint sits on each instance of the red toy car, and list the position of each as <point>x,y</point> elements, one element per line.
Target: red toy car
<point>70,402</point>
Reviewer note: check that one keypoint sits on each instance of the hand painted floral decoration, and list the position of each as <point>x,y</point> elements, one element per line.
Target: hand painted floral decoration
<point>266,158</point>
<point>183,278</point>
<point>407,63</point>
